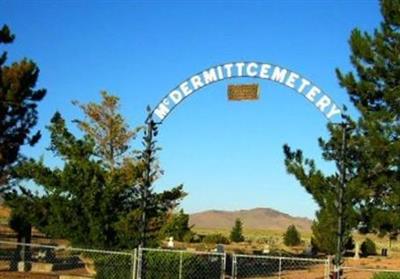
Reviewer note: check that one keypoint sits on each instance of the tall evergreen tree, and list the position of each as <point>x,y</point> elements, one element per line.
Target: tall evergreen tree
<point>374,88</point>
<point>237,231</point>
<point>85,201</point>
<point>150,223</point>
<point>372,193</point>
<point>18,107</point>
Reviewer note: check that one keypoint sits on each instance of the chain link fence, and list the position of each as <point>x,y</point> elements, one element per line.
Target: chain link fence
<point>29,261</point>
<point>37,261</point>
<point>173,264</point>
<point>255,266</point>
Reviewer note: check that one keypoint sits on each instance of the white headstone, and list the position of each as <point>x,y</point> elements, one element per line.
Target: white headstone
<point>171,242</point>
<point>266,249</point>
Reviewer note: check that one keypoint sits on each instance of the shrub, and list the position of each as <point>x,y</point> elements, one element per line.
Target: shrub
<point>216,238</point>
<point>292,236</point>
<point>314,247</point>
<point>188,237</point>
<point>350,244</point>
<point>368,248</point>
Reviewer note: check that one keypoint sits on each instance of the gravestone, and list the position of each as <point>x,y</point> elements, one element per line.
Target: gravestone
<point>171,243</point>
<point>220,248</point>
<point>357,251</point>
<point>266,249</point>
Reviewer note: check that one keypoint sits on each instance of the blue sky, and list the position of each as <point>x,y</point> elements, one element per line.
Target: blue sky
<point>228,155</point>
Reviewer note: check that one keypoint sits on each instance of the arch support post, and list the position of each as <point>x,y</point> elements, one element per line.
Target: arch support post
<point>147,157</point>
<point>340,247</point>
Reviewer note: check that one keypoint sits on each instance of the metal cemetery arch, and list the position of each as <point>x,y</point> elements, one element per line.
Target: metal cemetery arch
<point>281,75</point>
<point>322,101</point>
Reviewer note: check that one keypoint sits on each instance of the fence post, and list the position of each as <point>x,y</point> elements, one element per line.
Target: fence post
<point>139,263</point>
<point>280,268</point>
<point>223,266</point>
<point>134,255</point>
<point>180,264</point>
<point>327,267</point>
<point>234,267</point>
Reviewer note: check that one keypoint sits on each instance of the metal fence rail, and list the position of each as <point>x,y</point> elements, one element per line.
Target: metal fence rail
<point>254,266</point>
<point>18,260</point>
<point>174,264</point>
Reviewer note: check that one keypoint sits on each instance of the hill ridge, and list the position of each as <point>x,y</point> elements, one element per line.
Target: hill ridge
<point>263,218</point>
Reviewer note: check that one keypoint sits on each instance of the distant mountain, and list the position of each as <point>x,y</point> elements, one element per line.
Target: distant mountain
<point>257,218</point>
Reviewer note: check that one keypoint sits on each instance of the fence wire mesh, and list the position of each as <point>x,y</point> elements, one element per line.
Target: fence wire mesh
<point>252,266</point>
<point>30,261</point>
<point>173,264</point>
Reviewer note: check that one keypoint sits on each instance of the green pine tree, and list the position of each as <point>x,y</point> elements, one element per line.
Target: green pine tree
<point>88,203</point>
<point>237,231</point>
<point>292,236</point>
<point>18,107</point>
<point>374,88</point>
<point>371,161</point>
<point>18,116</point>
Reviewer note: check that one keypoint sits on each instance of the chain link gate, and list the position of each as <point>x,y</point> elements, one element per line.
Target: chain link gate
<point>180,264</point>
